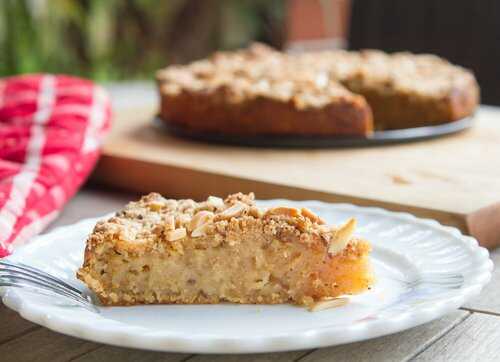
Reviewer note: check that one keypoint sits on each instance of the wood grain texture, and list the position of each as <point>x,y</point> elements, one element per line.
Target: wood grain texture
<point>12,325</point>
<point>396,347</point>
<point>43,345</point>
<point>489,299</point>
<point>118,354</point>
<point>261,357</point>
<point>445,179</point>
<point>476,339</point>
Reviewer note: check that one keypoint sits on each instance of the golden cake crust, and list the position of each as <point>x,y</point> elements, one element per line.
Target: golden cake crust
<point>221,250</point>
<point>262,91</point>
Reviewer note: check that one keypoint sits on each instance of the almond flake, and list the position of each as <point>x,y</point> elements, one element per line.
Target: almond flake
<point>201,217</point>
<point>176,234</point>
<point>215,202</point>
<point>234,211</point>
<point>169,222</point>
<point>327,304</point>
<point>342,237</point>
<point>312,216</point>
<point>200,231</point>
<point>286,211</point>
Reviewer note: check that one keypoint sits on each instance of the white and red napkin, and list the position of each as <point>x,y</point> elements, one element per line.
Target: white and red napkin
<point>51,128</point>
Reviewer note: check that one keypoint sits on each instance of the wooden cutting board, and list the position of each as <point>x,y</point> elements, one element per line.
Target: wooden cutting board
<point>455,180</point>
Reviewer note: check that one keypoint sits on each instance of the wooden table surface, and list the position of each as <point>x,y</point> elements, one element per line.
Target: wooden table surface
<point>469,334</point>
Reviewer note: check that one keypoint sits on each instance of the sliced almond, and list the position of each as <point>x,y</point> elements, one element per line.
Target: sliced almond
<point>342,237</point>
<point>200,230</point>
<point>312,216</point>
<point>201,217</point>
<point>286,211</point>
<point>234,211</point>
<point>169,222</point>
<point>176,234</point>
<point>215,202</point>
<point>328,304</point>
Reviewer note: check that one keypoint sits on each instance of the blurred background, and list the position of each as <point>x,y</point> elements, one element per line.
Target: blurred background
<point>130,39</point>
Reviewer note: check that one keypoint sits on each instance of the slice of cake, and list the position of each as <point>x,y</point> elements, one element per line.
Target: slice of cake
<point>159,251</point>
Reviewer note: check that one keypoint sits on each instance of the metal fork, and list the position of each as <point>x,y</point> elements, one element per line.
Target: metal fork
<point>20,275</point>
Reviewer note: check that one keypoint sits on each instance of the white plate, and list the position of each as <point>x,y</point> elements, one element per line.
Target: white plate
<point>412,258</point>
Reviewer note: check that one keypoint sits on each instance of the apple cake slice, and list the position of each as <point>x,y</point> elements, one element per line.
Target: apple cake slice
<point>159,251</point>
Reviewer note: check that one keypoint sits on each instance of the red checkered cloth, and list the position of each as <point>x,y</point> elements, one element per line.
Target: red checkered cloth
<point>51,128</point>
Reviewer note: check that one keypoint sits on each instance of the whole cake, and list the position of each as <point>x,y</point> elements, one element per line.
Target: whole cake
<point>262,91</point>
<point>180,251</point>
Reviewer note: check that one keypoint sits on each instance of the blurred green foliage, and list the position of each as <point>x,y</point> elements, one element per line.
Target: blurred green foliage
<point>127,39</point>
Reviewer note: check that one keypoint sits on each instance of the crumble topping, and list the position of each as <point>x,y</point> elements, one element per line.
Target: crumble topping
<point>154,220</point>
<point>313,79</point>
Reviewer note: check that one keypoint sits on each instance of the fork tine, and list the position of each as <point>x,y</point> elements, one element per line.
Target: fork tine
<point>13,272</point>
<point>15,278</point>
<point>44,290</point>
<point>40,285</point>
<point>34,278</point>
<point>38,272</point>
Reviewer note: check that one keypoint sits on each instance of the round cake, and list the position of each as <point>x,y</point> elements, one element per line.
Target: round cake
<point>261,91</point>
